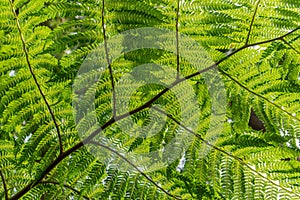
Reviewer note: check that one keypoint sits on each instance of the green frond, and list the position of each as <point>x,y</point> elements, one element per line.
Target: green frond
<point>212,112</point>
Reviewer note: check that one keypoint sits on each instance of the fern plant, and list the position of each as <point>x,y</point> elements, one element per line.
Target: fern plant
<point>50,152</point>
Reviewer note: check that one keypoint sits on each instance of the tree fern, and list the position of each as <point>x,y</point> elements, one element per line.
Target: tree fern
<point>216,64</point>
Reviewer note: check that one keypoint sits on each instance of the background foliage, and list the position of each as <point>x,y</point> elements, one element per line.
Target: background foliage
<point>256,47</point>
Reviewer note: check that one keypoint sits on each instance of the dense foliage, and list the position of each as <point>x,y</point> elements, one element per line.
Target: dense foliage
<point>249,151</point>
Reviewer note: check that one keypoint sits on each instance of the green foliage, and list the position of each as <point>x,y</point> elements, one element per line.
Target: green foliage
<point>254,45</point>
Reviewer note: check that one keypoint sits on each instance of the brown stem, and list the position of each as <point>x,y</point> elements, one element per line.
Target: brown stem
<point>146,105</point>
<point>222,151</point>
<point>135,167</point>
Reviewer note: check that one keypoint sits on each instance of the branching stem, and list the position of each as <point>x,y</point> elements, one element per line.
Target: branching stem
<point>258,95</point>
<point>221,150</point>
<point>288,44</point>
<point>146,105</point>
<point>134,166</point>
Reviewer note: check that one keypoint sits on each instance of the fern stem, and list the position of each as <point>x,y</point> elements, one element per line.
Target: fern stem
<point>238,50</point>
<point>65,185</point>
<point>288,44</point>
<point>274,39</point>
<point>252,22</point>
<point>196,134</point>
<point>135,167</point>
<point>149,103</point>
<point>222,151</point>
<point>258,95</point>
<point>107,59</point>
<point>177,39</point>
<point>26,52</point>
<point>46,171</point>
<point>4,184</point>
<point>57,161</point>
<point>146,105</point>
